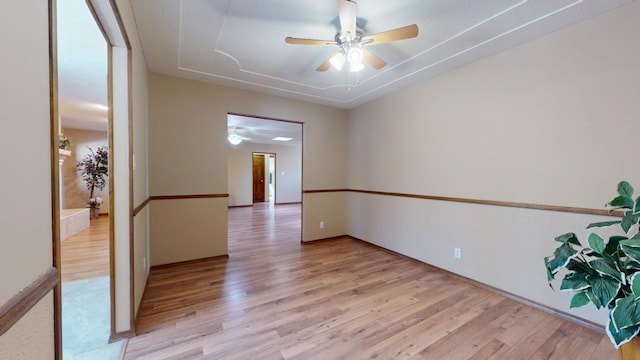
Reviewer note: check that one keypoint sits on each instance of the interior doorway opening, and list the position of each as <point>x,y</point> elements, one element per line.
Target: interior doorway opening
<point>84,197</point>
<point>264,169</point>
<point>105,16</point>
<point>280,144</point>
<point>264,177</point>
<point>272,178</point>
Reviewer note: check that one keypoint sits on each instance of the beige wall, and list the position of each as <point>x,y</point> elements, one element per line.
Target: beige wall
<point>76,194</point>
<point>25,214</point>
<point>31,338</point>
<point>549,122</point>
<point>331,209</point>
<point>188,229</point>
<point>188,155</point>
<point>139,137</point>
<point>240,171</point>
<point>141,256</point>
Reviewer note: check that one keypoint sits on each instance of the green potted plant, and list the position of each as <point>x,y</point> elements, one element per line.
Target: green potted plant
<point>64,143</point>
<point>94,169</point>
<point>605,272</point>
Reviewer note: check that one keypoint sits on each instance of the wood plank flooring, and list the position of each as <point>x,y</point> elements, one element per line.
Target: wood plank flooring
<point>275,298</point>
<point>86,254</point>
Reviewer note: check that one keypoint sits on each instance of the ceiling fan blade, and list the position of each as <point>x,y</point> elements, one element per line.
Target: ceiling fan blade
<point>299,41</point>
<point>373,60</point>
<point>325,65</point>
<point>347,13</point>
<point>405,32</point>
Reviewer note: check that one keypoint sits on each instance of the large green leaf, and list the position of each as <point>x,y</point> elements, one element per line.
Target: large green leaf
<point>626,313</point>
<point>574,282</point>
<point>568,238</point>
<point>636,206</point>
<point>595,300</point>
<point>550,275</point>
<point>625,189</point>
<point>603,290</point>
<point>578,300</point>
<point>603,224</point>
<point>629,220</point>
<point>561,257</point>
<point>631,252</point>
<point>596,243</point>
<point>607,267</point>
<point>622,202</point>
<point>633,242</point>
<point>620,337</point>
<point>634,280</point>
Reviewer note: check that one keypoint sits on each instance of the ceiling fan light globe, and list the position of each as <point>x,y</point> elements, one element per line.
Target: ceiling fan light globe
<point>234,139</point>
<point>356,67</point>
<point>355,55</point>
<point>337,61</point>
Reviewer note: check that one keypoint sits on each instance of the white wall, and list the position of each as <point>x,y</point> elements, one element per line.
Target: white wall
<point>240,170</point>
<point>552,121</point>
<point>76,194</point>
<point>25,194</point>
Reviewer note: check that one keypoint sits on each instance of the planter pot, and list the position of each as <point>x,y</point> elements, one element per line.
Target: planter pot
<point>94,213</point>
<point>630,350</point>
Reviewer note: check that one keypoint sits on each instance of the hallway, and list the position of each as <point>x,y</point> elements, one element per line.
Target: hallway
<point>275,298</point>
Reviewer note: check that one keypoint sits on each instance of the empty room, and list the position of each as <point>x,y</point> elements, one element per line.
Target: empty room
<point>333,179</point>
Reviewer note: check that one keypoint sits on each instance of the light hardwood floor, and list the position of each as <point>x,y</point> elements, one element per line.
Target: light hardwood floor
<point>275,298</point>
<point>86,254</point>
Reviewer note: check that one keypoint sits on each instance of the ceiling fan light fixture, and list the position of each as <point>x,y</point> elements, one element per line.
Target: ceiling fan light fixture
<point>356,67</point>
<point>337,61</point>
<point>234,139</point>
<point>354,55</point>
<point>350,40</point>
<point>282,138</point>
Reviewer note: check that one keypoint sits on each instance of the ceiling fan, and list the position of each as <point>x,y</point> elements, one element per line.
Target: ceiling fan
<point>235,135</point>
<point>352,41</point>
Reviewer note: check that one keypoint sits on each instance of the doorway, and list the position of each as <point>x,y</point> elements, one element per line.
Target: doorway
<point>264,177</point>
<point>264,168</point>
<point>112,109</point>
<point>84,196</point>
<point>258,178</point>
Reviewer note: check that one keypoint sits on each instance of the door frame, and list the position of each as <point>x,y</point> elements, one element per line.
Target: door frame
<point>108,20</point>
<point>302,124</point>
<point>275,157</point>
<point>253,176</point>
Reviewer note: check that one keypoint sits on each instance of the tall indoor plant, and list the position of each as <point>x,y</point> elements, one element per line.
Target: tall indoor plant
<point>94,169</point>
<point>605,273</point>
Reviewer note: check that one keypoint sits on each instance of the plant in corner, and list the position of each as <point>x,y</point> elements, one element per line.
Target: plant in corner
<point>94,169</point>
<point>605,273</point>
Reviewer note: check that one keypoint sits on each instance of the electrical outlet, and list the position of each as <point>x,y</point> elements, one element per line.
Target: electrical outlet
<point>457,253</point>
<point>321,224</point>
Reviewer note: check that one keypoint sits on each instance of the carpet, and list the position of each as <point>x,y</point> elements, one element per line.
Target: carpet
<point>86,320</point>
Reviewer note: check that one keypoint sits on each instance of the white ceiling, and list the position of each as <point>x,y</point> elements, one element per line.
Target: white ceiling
<point>241,43</point>
<point>82,68</point>
<point>264,130</point>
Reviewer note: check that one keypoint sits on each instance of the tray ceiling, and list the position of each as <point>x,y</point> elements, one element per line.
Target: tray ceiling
<point>241,43</point>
